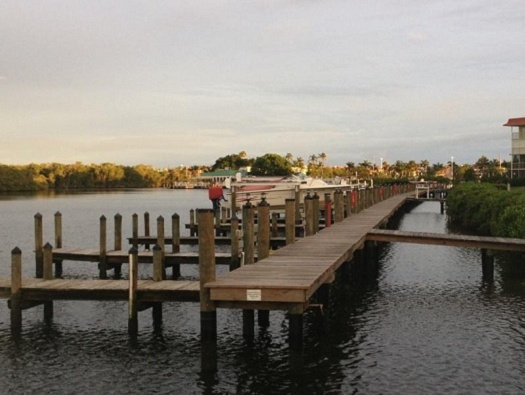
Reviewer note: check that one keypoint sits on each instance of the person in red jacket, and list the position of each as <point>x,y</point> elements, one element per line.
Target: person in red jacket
<point>216,194</point>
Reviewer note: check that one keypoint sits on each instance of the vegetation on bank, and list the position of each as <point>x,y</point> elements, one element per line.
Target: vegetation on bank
<point>58,176</point>
<point>487,209</point>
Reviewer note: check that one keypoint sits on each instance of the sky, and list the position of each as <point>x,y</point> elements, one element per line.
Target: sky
<point>170,83</point>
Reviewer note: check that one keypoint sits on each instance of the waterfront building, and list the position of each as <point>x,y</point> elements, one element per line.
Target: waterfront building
<point>517,164</point>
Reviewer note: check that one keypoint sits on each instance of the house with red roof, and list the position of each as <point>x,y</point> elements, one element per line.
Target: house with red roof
<point>517,164</point>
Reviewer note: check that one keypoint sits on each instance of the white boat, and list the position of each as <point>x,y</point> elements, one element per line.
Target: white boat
<point>275,190</point>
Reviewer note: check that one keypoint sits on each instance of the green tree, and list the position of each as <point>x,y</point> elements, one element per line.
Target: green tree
<point>271,165</point>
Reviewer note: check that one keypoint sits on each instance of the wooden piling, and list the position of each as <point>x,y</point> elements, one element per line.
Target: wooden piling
<point>160,233</point>
<point>289,218</point>
<point>327,210</point>
<point>159,273</point>
<point>146,228</point>
<point>133,322</point>
<point>16,294</point>
<point>175,242</point>
<point>263,248</point>
<point>117,231</point>
<point>207,274</point>
<point>102,266</point>
<point>309,215</point>
<point>487,264</point>
<point>249,258</point>
<point>192,222</point>
<point>339,206</point>
<point>234,234</point>
<point>39,245</point>
<point>58,243</point>
<point>48,275</point>
<point>135,230</point>
<point>316,212</point>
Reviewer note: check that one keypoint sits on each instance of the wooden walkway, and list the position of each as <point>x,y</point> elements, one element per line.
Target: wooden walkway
<point>77,289</point>
<point>451,240</point>
<point>290,276</point>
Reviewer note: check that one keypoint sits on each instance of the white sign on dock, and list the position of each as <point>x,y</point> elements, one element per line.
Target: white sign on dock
<point>253,295</point>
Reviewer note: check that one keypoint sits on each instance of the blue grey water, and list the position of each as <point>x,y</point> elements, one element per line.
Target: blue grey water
<point>426,325</point>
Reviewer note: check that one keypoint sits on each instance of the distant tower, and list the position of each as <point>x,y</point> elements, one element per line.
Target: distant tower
<point>517,164</point>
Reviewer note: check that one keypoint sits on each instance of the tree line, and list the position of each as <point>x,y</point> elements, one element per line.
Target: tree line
<point>59,176</point>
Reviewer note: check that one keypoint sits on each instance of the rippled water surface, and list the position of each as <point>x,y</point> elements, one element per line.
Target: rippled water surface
<point>426,325</point>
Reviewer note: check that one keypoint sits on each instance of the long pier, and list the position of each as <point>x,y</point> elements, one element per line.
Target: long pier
<point>289,278</point>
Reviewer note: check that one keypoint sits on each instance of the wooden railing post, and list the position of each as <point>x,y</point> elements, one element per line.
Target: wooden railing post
<point>118,232</point>
<point>16,294</point>
<point>39,245</point>
<point>58,243</point>
<point>207,274</point>
<point>192,222</point>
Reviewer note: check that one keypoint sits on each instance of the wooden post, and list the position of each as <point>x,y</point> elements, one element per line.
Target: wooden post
<point>263,248</point>
<point>58,243</point>
<point>207,274</point>
<point>309,215</point>
<point>117,242</point>
<point>135,230</point>
<point>297,203</point>
<point>295,331</point>
<point>102,266</point>
<point>192,222</point>
<point>248,233</point>
<point>233,201</point>
<point>175,242</point>
<point>348,210</point>
<point>159,273</point>
<point>48,275</point>
<point>487,265</point>
<point>39,245</point>
<point>339,211</point>
<point>327,210</point>
<point>275,229</point>
<point>161,240</point>
<point>248,243</point>
<point>289,218</point>
<point>316,212</point>
<point>146,228</point>
<point>118,231</point>
<point>234,235</point>
<point>133,321</point>
<point>48,262</point>
<point>16,294</point>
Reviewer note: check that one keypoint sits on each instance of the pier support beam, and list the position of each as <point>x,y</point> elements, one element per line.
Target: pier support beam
<point>263,248</point>
<point>295,331</point>
<point>102,266</point>
<point>58,243</point>
<point>39,246</point>
<point>487,264</point>
<point>207,274</point>
<point>309,215</point>
<point>175,242</point>
<point>248,227</point>
<point>289,218</point>
<point>48,275</point>
<point>16,294</point>
<point>133,321</point>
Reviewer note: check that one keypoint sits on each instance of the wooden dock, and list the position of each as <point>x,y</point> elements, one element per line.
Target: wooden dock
<point>291,275</point>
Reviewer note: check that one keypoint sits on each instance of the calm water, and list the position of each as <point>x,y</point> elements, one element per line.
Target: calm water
<point>426,325</point>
